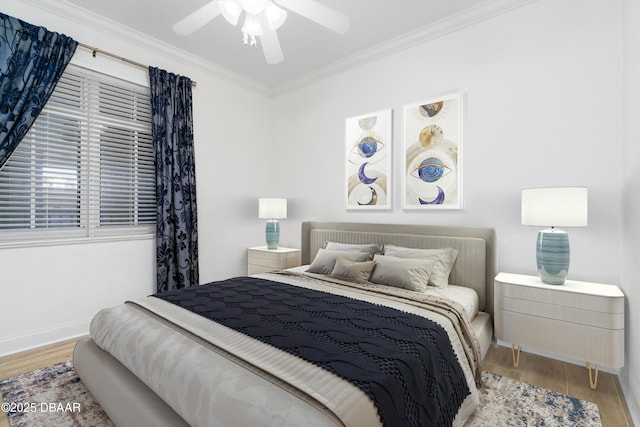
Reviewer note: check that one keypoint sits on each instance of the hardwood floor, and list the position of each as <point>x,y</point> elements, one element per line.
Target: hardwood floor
<point>566,378</point>
<point>562,377</point>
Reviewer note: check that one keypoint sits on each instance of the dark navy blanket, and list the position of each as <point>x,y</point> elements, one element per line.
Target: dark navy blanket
<point>403,362</point>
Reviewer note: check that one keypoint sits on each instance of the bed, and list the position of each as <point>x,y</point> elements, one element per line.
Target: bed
<point>156,362</point>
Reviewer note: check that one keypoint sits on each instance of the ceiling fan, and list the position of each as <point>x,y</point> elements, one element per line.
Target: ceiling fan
<point>262,19</point>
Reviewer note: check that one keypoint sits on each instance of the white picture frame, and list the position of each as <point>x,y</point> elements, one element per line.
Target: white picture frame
<point>368,148</point>
<point>432,153</point>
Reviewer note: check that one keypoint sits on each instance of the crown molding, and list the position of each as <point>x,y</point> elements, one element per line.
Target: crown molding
<point>128,35</point>
<point>465,18</point>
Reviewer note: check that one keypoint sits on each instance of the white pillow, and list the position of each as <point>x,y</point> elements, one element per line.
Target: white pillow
<point>445,258</point>
<point>353,270</point>
<point>325,260</point>
<point>407,273</point>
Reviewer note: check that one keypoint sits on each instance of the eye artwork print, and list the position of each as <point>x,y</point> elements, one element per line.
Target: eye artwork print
<point>367,139</point>
<point>432,138</point>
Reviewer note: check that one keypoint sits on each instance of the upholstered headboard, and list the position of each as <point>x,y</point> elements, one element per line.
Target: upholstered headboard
<point>476,266</point>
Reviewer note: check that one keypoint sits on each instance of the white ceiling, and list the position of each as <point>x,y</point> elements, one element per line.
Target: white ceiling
<point>306,45</point>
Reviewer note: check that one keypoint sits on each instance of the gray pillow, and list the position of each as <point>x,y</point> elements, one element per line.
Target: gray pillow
<point>353,270</point>
<point>370,248</point>
<point>445,258</point>
<point>407,273</point>
<point>325,260</point>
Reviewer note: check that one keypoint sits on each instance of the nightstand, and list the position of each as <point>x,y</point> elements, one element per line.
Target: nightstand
<point>578,320</point>
<point>262,259</point>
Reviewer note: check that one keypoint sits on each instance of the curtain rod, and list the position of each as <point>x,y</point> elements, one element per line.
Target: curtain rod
<point>95,51</point>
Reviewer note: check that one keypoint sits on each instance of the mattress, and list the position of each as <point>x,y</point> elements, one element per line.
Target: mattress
<point>205,371</point>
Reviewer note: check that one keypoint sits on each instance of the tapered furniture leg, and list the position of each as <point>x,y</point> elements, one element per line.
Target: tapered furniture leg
<point>593,378</point>
<point>515,356</point>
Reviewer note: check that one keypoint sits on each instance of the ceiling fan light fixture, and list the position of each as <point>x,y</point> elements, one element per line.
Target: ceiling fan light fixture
<point>261,19</point>
<point>274,15</point>
<point>231,10</point>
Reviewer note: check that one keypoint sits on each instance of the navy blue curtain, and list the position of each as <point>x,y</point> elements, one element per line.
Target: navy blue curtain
<point>32,60</point>
<point>177,225</point>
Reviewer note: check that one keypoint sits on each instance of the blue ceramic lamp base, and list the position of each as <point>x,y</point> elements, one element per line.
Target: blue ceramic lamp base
<point>552,256</point>
<point>273,233</point>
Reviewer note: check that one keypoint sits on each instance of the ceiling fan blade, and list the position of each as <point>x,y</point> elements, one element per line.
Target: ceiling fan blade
<point>196,20</point>
<point>271,47</point>
<point>318,13</point>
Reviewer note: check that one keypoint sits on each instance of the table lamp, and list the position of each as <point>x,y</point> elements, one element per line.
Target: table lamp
<point>554,207</point>
<point>272,209</point>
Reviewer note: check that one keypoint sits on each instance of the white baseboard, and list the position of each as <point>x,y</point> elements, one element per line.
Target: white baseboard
<point>41,337</point>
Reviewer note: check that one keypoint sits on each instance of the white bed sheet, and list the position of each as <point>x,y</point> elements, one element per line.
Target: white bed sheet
<point>465,296</point>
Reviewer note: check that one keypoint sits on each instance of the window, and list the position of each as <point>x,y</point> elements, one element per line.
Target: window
<point>85,169</point>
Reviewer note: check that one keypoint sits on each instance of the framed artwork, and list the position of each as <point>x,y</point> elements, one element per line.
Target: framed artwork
<point>432,164</point>
<point>368,161</point>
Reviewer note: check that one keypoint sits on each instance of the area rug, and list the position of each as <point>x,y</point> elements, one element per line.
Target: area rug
<point>507,402</point>
<point>52,396</point>
<point>56,396</point>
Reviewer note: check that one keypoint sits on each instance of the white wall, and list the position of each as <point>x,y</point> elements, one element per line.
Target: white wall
<point>631,373</point>
<point>50,293</point>
<point>543,108</point>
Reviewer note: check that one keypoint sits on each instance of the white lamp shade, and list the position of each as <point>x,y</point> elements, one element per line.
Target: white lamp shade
<point>555,206</point>
<point>272,208</point>
<point>275,15</point>
<point>231,10</point>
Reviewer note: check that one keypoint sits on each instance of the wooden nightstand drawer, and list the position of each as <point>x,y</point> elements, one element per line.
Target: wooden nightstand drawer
<point>580,295</point>
<point>567,339</point>
<point>554,310</point>
<point>261,259</point>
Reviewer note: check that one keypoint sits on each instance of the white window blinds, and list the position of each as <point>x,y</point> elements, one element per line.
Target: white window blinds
<point>85,169</point>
